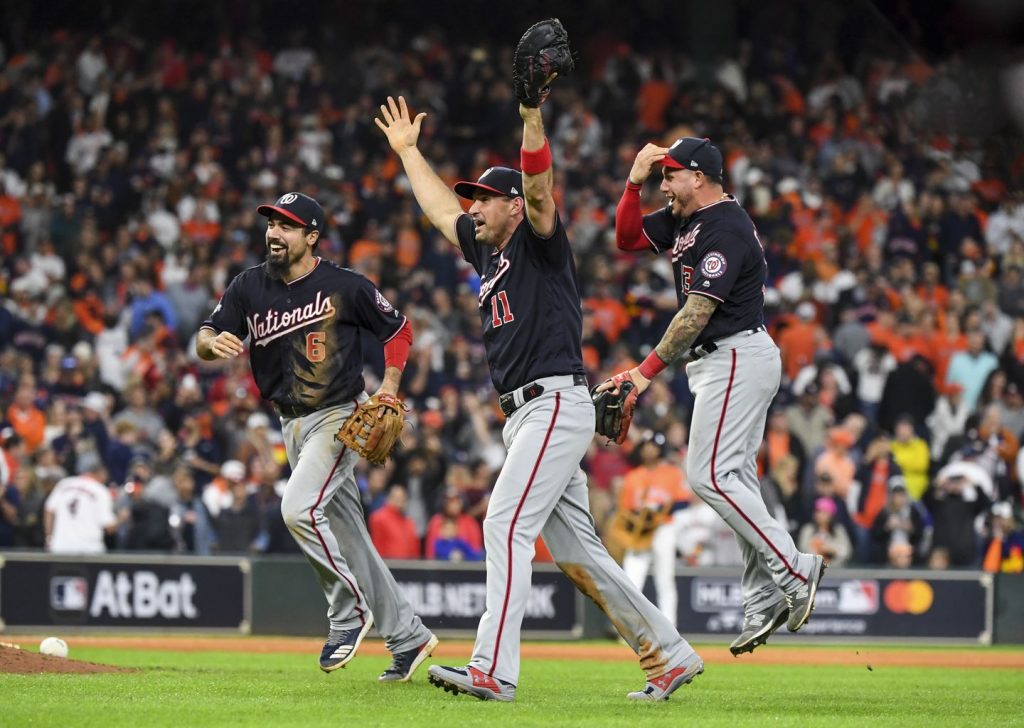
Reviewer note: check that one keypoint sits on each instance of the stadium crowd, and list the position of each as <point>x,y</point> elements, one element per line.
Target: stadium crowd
<point>130,170</point>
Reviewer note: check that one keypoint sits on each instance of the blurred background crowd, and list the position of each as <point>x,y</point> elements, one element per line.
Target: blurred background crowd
<point>880,161</point>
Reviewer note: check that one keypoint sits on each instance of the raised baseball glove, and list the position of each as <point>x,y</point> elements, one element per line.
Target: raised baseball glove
<point>374,428</point>
<point>542,52</point>
<point>613,408</point>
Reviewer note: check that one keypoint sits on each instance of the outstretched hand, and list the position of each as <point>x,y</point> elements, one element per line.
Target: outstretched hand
<point>401,130</point>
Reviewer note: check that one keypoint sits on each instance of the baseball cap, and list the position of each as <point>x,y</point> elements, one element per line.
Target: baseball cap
<point>696,155</point>
<point>96,402</point>
<point>1002,509</point>
<point>257,419</point>
<point>233,470</point>
<point>499,180</point>
<point>297,207</point>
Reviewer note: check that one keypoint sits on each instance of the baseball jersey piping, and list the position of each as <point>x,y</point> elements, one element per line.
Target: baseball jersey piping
<point>405,320</point>
<point>730,501</point>
<point>512,529</point>
<point>306,274</point>
<point>707,295</point>
<point>323,544</point>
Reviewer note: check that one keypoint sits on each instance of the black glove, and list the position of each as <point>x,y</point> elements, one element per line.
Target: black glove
<point>542,51</point>
<point>613,409</point>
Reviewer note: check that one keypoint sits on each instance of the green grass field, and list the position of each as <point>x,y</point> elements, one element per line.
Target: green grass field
<point>220,688</point>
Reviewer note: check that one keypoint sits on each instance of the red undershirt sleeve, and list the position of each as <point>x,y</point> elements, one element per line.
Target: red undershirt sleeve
<point>629,224</point>
<point>396,349</point>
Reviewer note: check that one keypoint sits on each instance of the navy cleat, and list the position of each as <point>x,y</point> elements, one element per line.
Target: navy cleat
<point>404,664</point>
<point>338,652</point>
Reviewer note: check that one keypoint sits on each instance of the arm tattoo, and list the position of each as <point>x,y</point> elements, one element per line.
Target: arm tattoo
<point>685,327</point>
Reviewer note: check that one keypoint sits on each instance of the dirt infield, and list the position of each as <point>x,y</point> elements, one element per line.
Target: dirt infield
<point>24,662</point>
<point>851,655</point>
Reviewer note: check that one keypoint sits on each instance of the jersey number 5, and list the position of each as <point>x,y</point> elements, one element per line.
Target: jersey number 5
<point>315,349</point>
<point>504,316</point>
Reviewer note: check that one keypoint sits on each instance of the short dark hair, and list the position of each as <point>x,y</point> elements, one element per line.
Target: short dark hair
<point>715,179</point>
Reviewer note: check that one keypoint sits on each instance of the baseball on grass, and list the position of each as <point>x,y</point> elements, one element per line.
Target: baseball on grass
<point>54,646</point>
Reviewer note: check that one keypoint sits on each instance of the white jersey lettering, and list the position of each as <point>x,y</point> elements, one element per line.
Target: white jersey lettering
<point>486,287</point>
<point>264,328</point>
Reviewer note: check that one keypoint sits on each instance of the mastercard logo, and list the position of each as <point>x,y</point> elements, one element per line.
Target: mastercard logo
<point>908,597</point>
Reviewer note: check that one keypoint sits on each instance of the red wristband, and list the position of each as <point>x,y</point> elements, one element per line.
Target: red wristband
<point>631,185</point>
<point>396,349</point>
<point>652,366</point>
<point>536,161</point>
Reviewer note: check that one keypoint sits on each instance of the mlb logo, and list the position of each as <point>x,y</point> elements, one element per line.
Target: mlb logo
<point>69,593</point>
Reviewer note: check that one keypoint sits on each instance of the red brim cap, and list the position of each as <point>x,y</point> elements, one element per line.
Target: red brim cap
<point>266,211</point>
<point>668,161</point>
<point>466,189</point>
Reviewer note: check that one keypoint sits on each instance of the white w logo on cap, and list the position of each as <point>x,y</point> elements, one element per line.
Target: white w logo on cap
<point>288,199</point>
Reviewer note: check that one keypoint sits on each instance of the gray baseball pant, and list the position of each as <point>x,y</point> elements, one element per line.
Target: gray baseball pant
<point>542,491</point>
<point>323,511</point>
<point>733,387</point>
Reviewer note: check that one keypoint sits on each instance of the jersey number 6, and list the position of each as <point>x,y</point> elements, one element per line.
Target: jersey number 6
<point>497,317</point>
<point>315,349</point>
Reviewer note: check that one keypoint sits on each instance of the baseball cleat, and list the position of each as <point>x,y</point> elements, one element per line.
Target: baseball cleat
<point>660,688</point>
<point>404,664</point>
<point>337,653</point>
<point>801,602</point>
<point>758,627</point>
<point>471,681</point>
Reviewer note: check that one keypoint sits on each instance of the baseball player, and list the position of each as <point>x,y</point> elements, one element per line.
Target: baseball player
<point>532,327</point>
<point>303,317</point>
<point>734,368</point>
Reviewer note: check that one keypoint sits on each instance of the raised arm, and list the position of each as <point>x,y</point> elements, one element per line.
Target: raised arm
<point>538,179</point>
<point>433,195</point>
<point>629,224</point>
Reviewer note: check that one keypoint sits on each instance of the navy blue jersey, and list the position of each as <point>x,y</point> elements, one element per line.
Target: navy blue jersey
<point>304,343</point>
<point>529,304</point>
<point>715,253</point>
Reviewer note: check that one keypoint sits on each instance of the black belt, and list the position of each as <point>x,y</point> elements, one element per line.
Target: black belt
<point>710,347</point>
<point>530,392</point>
<point>294,410</point>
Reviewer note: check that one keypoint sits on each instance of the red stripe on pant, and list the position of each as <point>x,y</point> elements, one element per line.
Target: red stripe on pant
<point>511,531</point>
<point>323,544</point>
<point>731,502</point>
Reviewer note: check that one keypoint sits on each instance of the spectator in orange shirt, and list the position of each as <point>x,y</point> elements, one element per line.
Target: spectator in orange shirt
<point>910,341</point>
<point>836,461</point>
<point>610,316</point>
<point>27,420</point>
<point>800,340</point>
<point>394,533</point>
<point>650,494</point>
<point>653,99</point>
<point>931,291</point>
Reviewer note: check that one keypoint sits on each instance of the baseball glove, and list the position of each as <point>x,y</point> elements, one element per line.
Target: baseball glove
<point>613,408</point>
<point>635,529</point>
<point>374,428</point>
<point>542,52</point>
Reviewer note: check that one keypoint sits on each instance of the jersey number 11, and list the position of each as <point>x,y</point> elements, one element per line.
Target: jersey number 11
<point>504,316</point>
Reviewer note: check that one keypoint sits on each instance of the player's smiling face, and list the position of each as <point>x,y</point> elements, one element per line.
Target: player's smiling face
<point>496,217</point>
<point>678,187</point>
<point>287,243</point>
